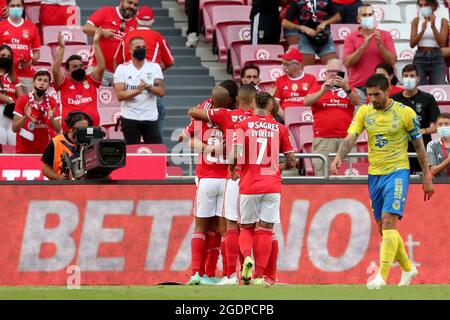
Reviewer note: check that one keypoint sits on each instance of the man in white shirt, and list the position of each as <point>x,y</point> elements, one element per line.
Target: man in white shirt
<point>137,84</point>
<point>59,13</point>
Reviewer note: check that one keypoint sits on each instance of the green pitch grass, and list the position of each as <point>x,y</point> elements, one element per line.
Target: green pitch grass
<point>277,292</point>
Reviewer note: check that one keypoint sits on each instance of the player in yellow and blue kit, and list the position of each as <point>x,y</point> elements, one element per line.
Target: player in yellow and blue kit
<point>389,125</point>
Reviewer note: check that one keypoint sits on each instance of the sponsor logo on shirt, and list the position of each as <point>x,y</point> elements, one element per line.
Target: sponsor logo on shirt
<point>79,100</point>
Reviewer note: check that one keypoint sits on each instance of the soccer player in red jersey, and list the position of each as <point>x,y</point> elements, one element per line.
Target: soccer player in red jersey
<point>79,91</point>
<point>257,144</point>
<point>36,117</point>
<point>115,23</point>
<point>23,37</point>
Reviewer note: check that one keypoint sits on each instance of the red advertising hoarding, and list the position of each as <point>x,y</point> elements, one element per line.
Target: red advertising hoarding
<point>140,234</point>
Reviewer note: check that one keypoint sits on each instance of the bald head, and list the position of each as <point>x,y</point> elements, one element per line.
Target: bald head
<point>220,97</point>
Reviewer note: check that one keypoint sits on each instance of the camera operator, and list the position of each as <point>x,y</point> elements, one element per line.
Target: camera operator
<point>52,166</point>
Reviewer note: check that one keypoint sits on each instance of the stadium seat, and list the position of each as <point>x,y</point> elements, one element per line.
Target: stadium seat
<point>398,31</point>
<point>340,31</point>
<point>404,51</point>
<point>440,92</point>
<point>357,169</point>
<point>226,34</point>
<point>108,116</point>
<point>32,11</point>
<point>294,118</point>
<point>46,58</point>
<point>387,13</point>
<point>72,35</point>
<point>222,2</point>
<point>317,70</point>
<point>266,86</point>
<point>445,108</point>
<point>305,138</point>
<point>107,98</point>
<point>214,14</point>
<point>261,54</point>
<point>81,50</point>
<point>270,72</point>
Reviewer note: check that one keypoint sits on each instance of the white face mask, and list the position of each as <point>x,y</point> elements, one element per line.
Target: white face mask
<point>409,83</point>
<point>425,11</point>
<point>444,131</point>
<point>368,22</point>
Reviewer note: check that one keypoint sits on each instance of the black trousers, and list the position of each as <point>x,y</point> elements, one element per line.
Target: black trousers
<point>193,14</point>
<point>265,28</point>
<point>133,130</point>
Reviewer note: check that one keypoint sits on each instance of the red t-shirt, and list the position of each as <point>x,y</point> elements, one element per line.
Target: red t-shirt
<point>79,96</point>
<point>39,133</point>
<point>157,48</point>
<point>9,88</point>
<point>110,18</point>
<point>23,39</point>
<point>208,166</point>
<point>263,138</point>
<point>291,92</point>
<point>332,113</point>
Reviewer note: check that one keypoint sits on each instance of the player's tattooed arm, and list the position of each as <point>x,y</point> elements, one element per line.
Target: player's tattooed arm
<point>344,149</point>
<point>423,161</point>
<point>290,162</point>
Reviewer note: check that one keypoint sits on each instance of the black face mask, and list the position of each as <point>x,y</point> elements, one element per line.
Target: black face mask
<point>79,74</point>
<point>40,92</point>
<point>5,62</point>
<point>140,53</point>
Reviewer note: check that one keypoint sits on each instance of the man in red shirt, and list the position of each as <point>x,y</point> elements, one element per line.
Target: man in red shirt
<point>292,87</point>
<point>78,91</point>
<point>257,144</point>
<point>332,104</point>
<point>115,23</point>
<point>36,117</point>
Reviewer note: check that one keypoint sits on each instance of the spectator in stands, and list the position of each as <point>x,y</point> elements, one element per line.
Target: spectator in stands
<point>365,48</point>
<point>158,50</point>
<point>52,166</point>
<point>137,84</point>
<point>423,103</point>
<point>23,37</point>
<point>250,75</point>
<point>292,36</point>
<point>78,90</point>
<point>293,86</point>
<point>433,36</point>
<point>10,91</point>
<point>193,15</point>
<point>348,9</point>
<point>314,20</point>
<point>265,23</point>
<point>439,149</point>
<point>332,104</point>
<point>59,13</point>
<point>115,23</point>
<point>388,71</point>
<point>36,117</point>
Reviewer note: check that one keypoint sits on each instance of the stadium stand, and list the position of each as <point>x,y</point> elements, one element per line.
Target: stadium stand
<point>317,70</point>
<point>215,14</point>
<point>226,34</point>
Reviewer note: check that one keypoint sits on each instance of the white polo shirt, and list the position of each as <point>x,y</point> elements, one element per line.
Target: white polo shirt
<point>143,106</point>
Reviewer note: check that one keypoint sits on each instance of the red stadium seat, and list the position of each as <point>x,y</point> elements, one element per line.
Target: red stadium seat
<point>46,58</point>
<point>215,14</point>
<point>216,2</point>
<point>73,35</point>
<point>107,98</point>
<point>32,12</point>
<point>266,86</point>
<point>445,108</point>
<point>81,50</point>
<point>357,169</point>
<point>270,72</point>
<point>440,92</point>
<point>340,31</point>
<point>108,116</point>
<point>226,34</point>
<point>304,134</point>
<point>317,70</point>
<point>294,118</point>
<point>261,54</point>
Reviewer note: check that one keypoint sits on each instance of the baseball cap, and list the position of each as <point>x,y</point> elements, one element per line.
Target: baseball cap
<point>292,54</point>
<point>145,16</point>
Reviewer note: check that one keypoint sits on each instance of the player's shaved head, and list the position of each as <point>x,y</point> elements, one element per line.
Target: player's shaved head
<point>247,93</point>
<point>220,97</point>
<point>264,101</point>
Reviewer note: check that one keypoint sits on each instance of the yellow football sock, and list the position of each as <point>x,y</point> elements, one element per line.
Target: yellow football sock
<point>402,257</point>
<point>389,247</point>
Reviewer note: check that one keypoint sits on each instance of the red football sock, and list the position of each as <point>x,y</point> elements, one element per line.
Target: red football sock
<point>208,241</point>
<point>262,247</point>
<point>232,245</point>
<point>271,268</point>
<point>246,241</point>
<point>223,252</point>
<point>213,255</point>
<point>198,251</point>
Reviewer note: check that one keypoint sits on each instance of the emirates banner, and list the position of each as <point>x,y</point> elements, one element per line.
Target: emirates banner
<point>140,234</point>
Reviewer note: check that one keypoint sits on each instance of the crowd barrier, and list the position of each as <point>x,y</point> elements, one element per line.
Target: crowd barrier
<point>140,233</point>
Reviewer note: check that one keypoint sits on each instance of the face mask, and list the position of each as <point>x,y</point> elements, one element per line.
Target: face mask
<point>368,22</point>
<point>79,74</point>
<point>409,83</point>
<point>39,92</point>
<point>16,12</point>
<point>5,62</point>
<point>443,131</point>
<point>140,53</point>
<point>425,11</point>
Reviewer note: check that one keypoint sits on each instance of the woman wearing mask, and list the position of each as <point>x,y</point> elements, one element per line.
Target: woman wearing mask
<point>10,90</point>
<point>429,33</point>
<point>23,37</point>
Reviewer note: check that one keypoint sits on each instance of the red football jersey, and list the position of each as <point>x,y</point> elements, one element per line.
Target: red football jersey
<point>110,18</point>
<point>22,38</point>
<point>262,139</point>
<point>332,113</point>
<point>208,166</point>
<point>39,132</point>
<point>157,48</point>
<point>9,88</point>
<point>79,96</point>
<point>291,92</point>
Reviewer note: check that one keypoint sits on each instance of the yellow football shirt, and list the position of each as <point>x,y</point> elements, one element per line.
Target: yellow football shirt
<point>388,132</point>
